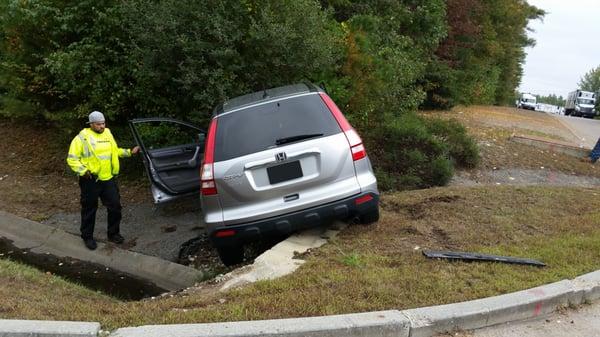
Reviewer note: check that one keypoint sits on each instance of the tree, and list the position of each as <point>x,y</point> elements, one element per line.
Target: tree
<point>591,80</point>
<point>482,55</point>
<point>551,99</point>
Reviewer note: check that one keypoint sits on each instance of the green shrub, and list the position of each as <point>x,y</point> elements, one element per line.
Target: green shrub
<point>407,155</point>
<point>463,149</point>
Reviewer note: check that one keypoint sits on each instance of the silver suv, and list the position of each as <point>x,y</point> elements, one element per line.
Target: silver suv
<point>274,162</point>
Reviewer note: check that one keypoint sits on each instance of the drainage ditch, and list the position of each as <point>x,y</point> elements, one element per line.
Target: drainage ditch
<point>196,253</point>
<point>91,275</point>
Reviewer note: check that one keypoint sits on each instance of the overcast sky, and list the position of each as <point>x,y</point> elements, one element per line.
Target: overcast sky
<point>567,46</point>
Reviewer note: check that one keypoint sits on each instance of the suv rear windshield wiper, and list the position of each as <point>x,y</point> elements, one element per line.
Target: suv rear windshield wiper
<point>296,138</point>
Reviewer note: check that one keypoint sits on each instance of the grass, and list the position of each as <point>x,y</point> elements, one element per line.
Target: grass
<point>374,267</point>
<point>367,267</point>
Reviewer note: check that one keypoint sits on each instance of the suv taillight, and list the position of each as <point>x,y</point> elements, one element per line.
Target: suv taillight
<point>207,177</point>
<point>356,146</point>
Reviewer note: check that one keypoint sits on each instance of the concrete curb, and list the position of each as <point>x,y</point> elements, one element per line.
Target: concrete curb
<point>552,145</point>
<point>379,323</point>
<point>420,322</point>
<point>43,239</point>
<point>19,328</point>
<point>515,306</point>
<point>490,311</point>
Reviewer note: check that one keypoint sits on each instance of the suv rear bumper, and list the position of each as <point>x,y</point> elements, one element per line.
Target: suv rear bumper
<point>235,235</point>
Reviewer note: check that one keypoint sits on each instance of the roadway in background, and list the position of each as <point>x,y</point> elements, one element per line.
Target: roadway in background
<point>587,130</point>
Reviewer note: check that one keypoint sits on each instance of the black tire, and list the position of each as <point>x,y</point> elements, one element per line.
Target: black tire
<point>231,255</point>
<point>369,217</point>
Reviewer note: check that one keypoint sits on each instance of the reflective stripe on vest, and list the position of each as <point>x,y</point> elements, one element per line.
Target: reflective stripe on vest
<point>86,150</point>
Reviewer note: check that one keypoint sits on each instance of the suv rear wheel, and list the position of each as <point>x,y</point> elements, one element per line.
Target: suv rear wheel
<point>231,255</point>
<point>370,217</point>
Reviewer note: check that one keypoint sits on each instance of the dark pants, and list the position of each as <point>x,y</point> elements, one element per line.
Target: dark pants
<point>108,191</point>
<point>595,154</point>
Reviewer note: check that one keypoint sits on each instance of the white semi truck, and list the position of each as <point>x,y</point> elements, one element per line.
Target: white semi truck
<point>526,101</point>
<point>581,103</point>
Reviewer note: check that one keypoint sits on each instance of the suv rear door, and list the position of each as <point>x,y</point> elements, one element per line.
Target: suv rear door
<point>281,156</point>
<point>172,152</point>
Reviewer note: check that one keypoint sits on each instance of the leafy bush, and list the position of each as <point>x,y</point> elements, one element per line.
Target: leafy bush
<point>462,148</point>
<point>407,155</point>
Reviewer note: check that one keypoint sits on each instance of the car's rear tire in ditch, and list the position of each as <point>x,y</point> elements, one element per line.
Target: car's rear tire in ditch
<point>231,255</point>
<point>369,217</point>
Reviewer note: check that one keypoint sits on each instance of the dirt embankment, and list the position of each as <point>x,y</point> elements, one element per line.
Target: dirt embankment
<point>507,162</point>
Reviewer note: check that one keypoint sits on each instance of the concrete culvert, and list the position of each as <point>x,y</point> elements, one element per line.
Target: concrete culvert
<point>91,275</point>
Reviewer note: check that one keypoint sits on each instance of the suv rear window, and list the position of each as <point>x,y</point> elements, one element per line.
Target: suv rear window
<point>257,128</point>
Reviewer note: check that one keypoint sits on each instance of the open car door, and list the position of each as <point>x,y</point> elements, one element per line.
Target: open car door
<point>172,152</point>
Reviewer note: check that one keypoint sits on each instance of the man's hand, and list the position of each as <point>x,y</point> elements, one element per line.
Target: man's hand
<point>135,150</point>
<point>87,175</point>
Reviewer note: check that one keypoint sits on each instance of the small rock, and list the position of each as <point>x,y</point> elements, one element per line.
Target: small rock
<point>222,300</point>
<point>417,248</point>
<point>60,264</point>
<point>511,178</point>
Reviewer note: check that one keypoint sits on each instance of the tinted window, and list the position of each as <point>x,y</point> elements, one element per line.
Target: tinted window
<point>258,128</point>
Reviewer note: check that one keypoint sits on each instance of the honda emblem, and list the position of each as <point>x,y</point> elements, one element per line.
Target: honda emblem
<point>281,156</point>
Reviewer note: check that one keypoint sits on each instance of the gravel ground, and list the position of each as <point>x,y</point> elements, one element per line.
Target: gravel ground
<point>148,229</point>
<point>523,177</point>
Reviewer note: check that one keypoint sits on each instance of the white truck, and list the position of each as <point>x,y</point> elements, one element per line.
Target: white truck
<point>581,103</point>
<point>526,101</point>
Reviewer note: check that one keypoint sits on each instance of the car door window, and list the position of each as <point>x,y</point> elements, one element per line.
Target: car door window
<point>164,134</point>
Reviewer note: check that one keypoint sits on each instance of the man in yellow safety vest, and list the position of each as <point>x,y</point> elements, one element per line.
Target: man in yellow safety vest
<point>94,156</point>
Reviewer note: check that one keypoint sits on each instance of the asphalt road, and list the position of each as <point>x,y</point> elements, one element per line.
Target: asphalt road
<point>580,322</point>
<point>587,130</point>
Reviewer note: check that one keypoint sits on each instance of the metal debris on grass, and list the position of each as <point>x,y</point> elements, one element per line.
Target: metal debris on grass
<point>465,256</point>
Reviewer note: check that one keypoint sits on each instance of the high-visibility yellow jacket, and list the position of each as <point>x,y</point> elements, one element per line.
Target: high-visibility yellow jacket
<point>97,153</point>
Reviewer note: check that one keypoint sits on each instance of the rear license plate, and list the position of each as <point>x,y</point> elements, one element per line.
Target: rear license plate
<point>284,172</point>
